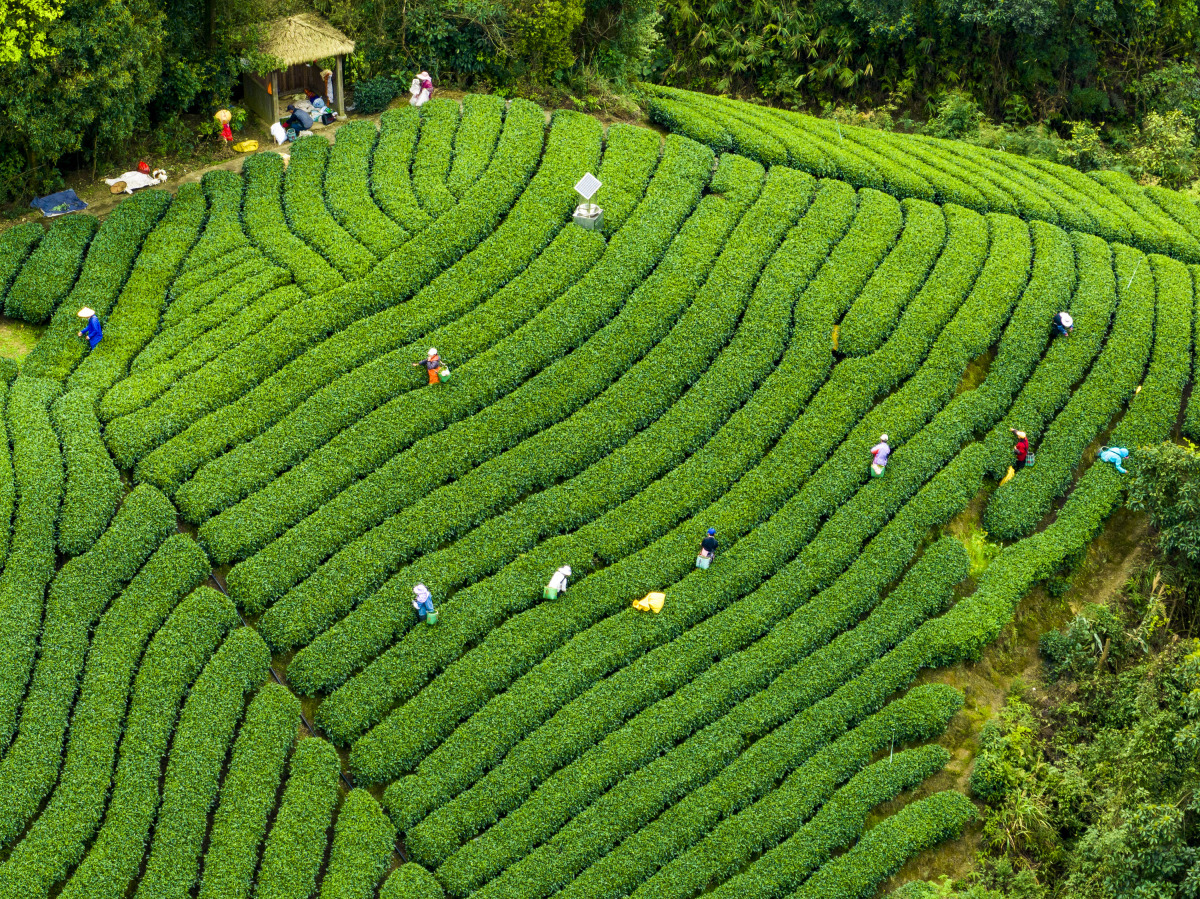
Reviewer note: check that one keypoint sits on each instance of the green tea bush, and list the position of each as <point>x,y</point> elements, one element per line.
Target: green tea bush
<point>248,793</point>
<point>60,835</point>
<point>362,849</point>
<point>295,848</point>
<point>235,372</point>
<point>348,190</point>
<point>171,665</point>
<point>38,477</point>
<point>105,270</point>
<point>482,119</point>
<point>431,162</point>
<point>202,737</point>
<point>78,596</point>
<point>50,272</point>
<point>572,147</point>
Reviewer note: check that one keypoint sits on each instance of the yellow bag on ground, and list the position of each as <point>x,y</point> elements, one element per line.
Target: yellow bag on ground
<point>245,146</point>
<point>1008,476</point>
<point>651,602</point>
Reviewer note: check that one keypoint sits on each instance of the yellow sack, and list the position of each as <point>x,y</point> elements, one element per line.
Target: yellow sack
<point>835,336</point>
<point>651,602</point>
<point>246,146</point>
<point>1009,476</point>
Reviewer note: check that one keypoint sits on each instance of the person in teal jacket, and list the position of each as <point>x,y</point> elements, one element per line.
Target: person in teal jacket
<point>92,330</point>
<point>1116,455</point>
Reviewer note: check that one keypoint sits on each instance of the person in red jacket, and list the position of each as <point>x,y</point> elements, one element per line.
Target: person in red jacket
<point>1021,448</point>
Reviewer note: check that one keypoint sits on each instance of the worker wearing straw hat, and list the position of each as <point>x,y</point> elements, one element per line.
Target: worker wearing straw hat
<point>91,330</point>
<point>225,117</point>
<point>420,89</point>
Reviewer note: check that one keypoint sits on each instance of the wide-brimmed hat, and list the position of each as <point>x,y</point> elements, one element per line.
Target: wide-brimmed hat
<point>86,312</point>
<point>1020,435</point>
<point>325,73</point>
<point>424,75</point>
<point>883,438</point>
<point>432,351</point>
<point>712,532</point>
<point>223,116</point>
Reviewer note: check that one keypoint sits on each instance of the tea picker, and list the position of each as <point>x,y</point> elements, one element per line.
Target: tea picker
<point>1114,455</point>
<point>708,549</point>
<point>423,603</point>
<point>1064,324</point>
<point>92,330</point>
<point>879,456</point>
<point>433,364</point>
<point>558,583</point>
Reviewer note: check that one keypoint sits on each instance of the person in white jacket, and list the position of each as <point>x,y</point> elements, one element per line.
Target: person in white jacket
<point>420,89</point>
<point>558,582</point>
<point>422,601</point>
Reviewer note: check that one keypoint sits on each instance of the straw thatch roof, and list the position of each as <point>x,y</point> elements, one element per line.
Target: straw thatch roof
<point>304,38</point>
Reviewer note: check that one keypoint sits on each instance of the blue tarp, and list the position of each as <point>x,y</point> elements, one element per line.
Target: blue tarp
<point>59,204</point>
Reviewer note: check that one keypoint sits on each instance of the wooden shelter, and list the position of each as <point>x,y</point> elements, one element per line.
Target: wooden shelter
<point>301,41</point>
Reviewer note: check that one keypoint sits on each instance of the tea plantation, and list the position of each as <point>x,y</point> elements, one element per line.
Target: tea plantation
<point>213,682</point>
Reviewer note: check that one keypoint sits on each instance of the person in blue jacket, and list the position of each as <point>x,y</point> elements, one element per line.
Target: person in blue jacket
<point>423,601</point>
<point>92,330</point>
<point>1116,455</point>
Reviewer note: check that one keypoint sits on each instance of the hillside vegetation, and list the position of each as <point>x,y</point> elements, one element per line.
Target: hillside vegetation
<point>215,680</point>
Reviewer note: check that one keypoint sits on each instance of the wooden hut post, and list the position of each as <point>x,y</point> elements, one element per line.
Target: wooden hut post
<point>341,97</point>
<point>274,97</point>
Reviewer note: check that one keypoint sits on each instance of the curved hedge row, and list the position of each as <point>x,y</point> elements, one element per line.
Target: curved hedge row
<point>637,399</point>
<point>108,264</point>
<point>8,487</point>
<point>572,146</point>
<point>78,596</point>
<point>1015,509</point>
<point>482,119</point>
<point>58,838</point>
<point>591,720</point>
<point>396,278</point>
<point>391,179</point>
<point>93,486</point>
<point>670,198</point>
<point>134,318</point>
<point>38,470</point>
<point>248,793</point>
<point>682,492</point>
<point>201,742</point>
<point>362,849</point>
<point>295,848</point>
<point>431,161</point>
<point>1107,204</point>
<point>267,225</point>
<point>50,272</point>
<point>840,821</point>
<point>223,232</point>
<point>16,243</point>
<point>1067,361</point>
<point>874,313</point>
<point>348,190</point>
<point>675,870</point>
<point>176,656</point>
<point>402,670</point>
<point>886,847</point>
<point>305,206</point>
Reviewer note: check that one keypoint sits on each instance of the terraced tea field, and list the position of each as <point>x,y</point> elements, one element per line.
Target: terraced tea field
<point>768,294</point>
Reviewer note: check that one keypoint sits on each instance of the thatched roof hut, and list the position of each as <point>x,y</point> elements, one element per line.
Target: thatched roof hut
<point>301,42</point>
